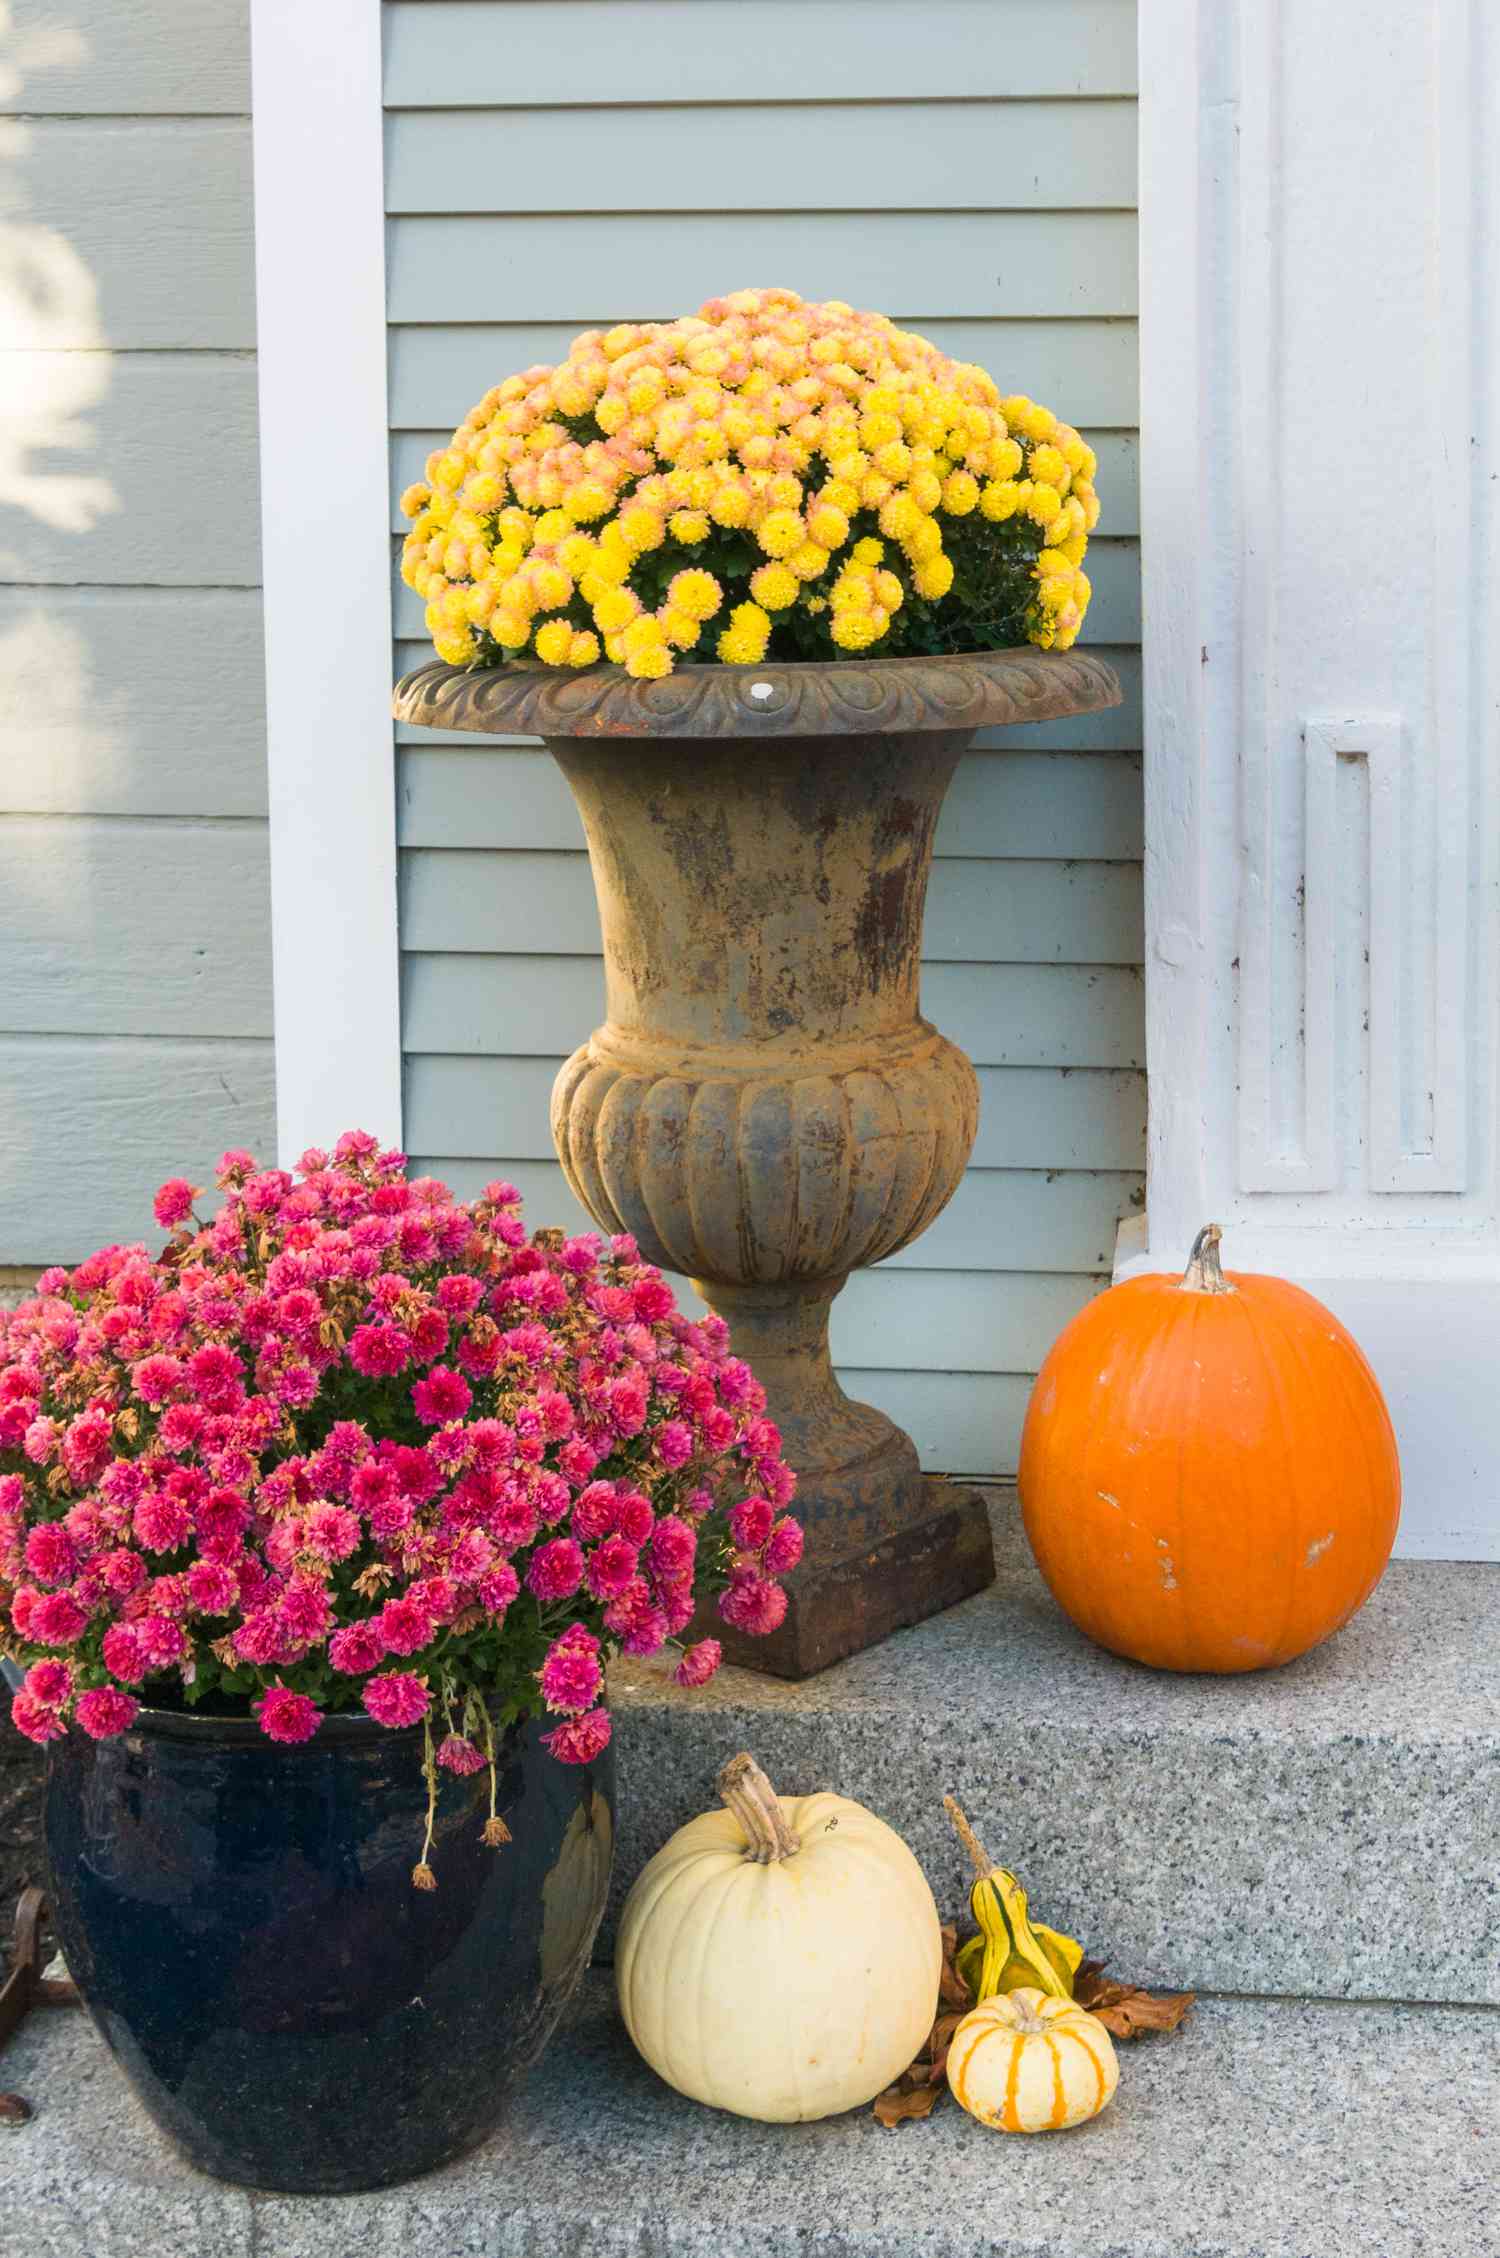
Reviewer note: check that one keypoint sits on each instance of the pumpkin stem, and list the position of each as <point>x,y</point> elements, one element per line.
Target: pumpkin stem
<point>984,1865</point>
<point>1203,1275</point>
<point>750,1796</point>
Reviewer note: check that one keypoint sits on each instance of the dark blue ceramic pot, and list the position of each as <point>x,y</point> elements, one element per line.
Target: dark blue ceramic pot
<point>241,1922</point>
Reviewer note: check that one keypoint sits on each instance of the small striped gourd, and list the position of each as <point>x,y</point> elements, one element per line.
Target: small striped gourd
<point>1027,2062</point>
<point>1011,1950</point>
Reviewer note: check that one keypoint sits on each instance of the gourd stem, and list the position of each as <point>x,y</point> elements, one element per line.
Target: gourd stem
<point>984,1865</point>
<point>750,1796</point>
<point>1203,1275</point>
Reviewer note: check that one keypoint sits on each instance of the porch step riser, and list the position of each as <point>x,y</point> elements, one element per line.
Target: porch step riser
<point>1325,1830</point>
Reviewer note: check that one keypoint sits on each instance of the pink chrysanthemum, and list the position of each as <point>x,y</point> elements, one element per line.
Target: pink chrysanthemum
<point>556,1570</point>
<point>457,1754</point>
<point>396,1698</point>
<point>50,1684</point>
<point>105,1711</point>
<point>699,1663</point>
<point>357,1647</point>
<point>287,1716</point>
<point>753,1605</point>
<point>173,1203</point>
<point>578,1740</point>
<point>570,1678</point>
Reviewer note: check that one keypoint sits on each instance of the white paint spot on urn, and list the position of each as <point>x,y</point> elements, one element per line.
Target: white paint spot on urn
<point>762,690</point>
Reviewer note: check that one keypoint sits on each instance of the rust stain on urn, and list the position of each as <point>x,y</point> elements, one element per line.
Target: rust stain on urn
<point>764,1106</point>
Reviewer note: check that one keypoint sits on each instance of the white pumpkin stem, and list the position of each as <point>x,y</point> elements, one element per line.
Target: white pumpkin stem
<point>1203,1275</point>
<point>750,1796</point>
<point>984,1865</point>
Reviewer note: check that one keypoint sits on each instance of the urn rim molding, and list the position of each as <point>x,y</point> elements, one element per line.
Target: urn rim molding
<point>834,698</point>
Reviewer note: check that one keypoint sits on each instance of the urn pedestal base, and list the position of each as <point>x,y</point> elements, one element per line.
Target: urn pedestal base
<point>836,1608</point>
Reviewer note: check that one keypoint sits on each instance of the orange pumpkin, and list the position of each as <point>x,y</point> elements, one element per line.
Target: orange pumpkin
<point>1208,1471</point>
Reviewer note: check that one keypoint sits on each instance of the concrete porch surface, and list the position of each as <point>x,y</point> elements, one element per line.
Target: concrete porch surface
<point>1331,1831</point>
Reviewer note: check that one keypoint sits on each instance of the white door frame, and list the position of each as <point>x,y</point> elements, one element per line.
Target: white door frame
<point>1322,758</point>
<point>321,340</point>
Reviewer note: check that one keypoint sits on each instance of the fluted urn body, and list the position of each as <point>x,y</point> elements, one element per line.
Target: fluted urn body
<point>765,1108</point>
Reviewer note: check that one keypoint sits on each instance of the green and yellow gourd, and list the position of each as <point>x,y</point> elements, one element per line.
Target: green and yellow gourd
<point>1011,1952</point>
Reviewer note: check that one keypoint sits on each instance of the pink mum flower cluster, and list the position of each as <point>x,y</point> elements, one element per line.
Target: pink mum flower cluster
<point>353,1443</point>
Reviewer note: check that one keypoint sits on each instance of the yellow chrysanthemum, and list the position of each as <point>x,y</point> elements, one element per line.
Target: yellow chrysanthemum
<point>899,516</point>
<point>827,524</point>
<point>933,577</point>
<point>780,531</point>
<point>960,493</point>
<point>855,630</point>
<point>615,610</point>
<point>587,501</point>
<point>645,633</point>
<point>1048,462</point>
<point>730,505</point>
<point>640,528</point>
<point>680,629</point>
<point>650,663</point>
<point>696,593</point>
<point>1043,503</point>
<point>1000,500</point>
<point>774,585</point>
<point>924,541</point>
<point>744,640</point>
<point>761,412</point>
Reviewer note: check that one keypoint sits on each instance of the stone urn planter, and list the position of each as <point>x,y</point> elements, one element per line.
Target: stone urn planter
<point>765,1108</point>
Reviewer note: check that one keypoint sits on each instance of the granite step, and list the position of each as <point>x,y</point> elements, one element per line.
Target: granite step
<point>1330,1829</point>
<point>1263,2130</point>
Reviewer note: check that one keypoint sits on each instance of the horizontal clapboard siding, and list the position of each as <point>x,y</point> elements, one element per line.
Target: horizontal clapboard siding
<point>1009,806</point>
<point>596,52</point>
<point>973,173</point>
<point>445,160</point>
<point>135,1007</point>
<point>538,266</point>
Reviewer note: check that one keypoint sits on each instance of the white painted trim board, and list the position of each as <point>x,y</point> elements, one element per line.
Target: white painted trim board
<point>320,301</point>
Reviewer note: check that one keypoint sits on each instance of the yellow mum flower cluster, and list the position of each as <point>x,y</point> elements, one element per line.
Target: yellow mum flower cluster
<point>764,472</point>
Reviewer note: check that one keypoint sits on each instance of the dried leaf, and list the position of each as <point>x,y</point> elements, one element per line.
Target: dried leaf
<point>898,2103</point>
<point>1124,2009</point>
<point>953,1991</point>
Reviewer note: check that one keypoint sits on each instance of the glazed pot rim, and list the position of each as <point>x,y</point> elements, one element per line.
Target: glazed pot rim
<point>854,697</point>
<point>344,1728</point>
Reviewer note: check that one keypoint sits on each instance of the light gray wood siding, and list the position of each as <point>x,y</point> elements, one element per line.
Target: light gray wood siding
<point>135,999</point>
<point>970,168</point>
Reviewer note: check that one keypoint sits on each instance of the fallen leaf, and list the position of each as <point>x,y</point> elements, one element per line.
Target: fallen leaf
<point>898,2103</point>
<point>952,1989</point>
<point>1124,2009</point>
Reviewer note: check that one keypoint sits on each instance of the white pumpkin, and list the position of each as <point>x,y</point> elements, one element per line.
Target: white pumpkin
<point>1025,2062</point>
<point>780,1958</point>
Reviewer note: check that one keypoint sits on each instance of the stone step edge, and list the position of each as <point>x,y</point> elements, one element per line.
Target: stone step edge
<point>1261,2128</point>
